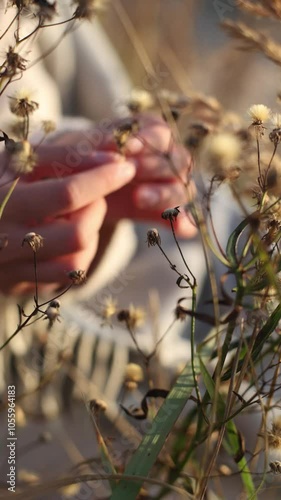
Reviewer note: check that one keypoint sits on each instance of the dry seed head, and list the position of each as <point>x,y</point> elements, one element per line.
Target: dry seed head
<point>23,160</point>
<point>259,114</point>
<point>133,317</point>
<point>180,312</point>
<point>52,314</point>
<point>222,150</point>
<point>275,467</point>
<point>170,213</point>
<point>78,277</point>
<point>35,241</point>
<point>133,373</point>
<point>22,105</point>
<point>153,237</point>
<point>55,303</point>
<point>87,9</point>
<point>48,126</point>
<point>109,308</point>
<point>140,100</point>
<point>173,99</point>
<point>14,63</point>
<point>131,385</point>
<point>97,405</point>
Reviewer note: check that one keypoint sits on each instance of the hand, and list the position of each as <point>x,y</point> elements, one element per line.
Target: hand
<point>155,186</point>
<point>67,213</point>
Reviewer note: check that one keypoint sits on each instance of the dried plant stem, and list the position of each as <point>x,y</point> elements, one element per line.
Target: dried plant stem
<point>8,195</point>
<point>182,256</point>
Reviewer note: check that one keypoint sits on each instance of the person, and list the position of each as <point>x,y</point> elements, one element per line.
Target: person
<point>68,209</point>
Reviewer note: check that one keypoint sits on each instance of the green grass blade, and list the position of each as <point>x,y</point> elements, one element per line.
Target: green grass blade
<point>232,441</point>
<point>152,443</point>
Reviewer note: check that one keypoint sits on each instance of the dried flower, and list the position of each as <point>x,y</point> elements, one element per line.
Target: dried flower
<point>48,126</point>
<point>87,9</point>
<point>180,312</point>
<point>44,10</point>
<point>275,134</point>
<point>97,405</point>
<point>133,372</point>
<point>220,153</point>
<point>274,440</point>
<point>275,467</point>
<point>35,241</point>
<point>259,114</point>
<point>123,132</point>
<point>153,237</point>
<point>140,100</point>
<point>77,276</point>
<point>108,309</point>
<point>133,317</point>
<point>23,159</point>
<point>21,104</point>
<point>170,214</point>
<point>52,314</point>
<point>173,99</point>
<point>14,63</point>
<point>197,133</point>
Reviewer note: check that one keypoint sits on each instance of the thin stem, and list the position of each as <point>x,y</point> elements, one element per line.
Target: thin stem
<point>35,278</point>
<point>180,251</point>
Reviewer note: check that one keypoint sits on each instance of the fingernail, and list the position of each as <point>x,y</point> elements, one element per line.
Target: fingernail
<point>134,145</point>
<point>147,198</point>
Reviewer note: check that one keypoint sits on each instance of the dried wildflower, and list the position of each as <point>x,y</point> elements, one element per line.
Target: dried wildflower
<point>180,312</point>
<point>108,309</point>
<point>48,126</point>
<point>22,159</point>
<point>133,372</point>
<point>87,9</point>
<point>133,317</point>
<point>124,131</point>
<point>197,133</point>
<point>78,277</point>
<point>14,63</point>
<point>35,241</point>
<point>153,237</point>
<point>275,134</point>
<point>21,104</point>
<point>274,440</point>
<point>20,4</point>
<point>130,385</point>
<point>52,313</point>
<point>170,214</point>
<point>275,467</point>
<point>97,405</point>
<point>259,114</point>
<point>140,100</point>
<point>221,153</point>
<point>173,99</point>
<point>44,10</point>
<point>3,240</point>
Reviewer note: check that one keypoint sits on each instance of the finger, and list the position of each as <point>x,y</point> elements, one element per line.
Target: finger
<point>59,161</point>
<point>49,272</point>
<point>51,198</point>
<point>159,196</point>
<point>60,236</point>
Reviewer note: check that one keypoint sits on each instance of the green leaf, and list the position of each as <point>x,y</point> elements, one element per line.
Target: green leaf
<point>145,456</point>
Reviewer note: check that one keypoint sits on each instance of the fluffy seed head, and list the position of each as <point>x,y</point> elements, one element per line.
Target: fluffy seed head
<point>22,105</point>
<point>140,100</point>
<point>133,372</point>
<point>259,114</point>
